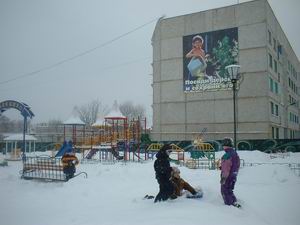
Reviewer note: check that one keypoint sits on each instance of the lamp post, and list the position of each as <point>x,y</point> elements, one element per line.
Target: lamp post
<point>233,71</point>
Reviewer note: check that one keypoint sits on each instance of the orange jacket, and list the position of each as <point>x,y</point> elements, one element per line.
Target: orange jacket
<point>180,185</point>
<point>67,159</point>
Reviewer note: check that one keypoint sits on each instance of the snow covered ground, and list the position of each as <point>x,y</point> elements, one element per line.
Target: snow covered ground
<point>113,194</point>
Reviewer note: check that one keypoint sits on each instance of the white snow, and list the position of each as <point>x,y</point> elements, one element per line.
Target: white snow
<point>19,137</point>
<point>73,120</point>
<point>113,194</point>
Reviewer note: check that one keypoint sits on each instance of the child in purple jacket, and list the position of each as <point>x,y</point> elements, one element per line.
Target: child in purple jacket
<point>230,164</point>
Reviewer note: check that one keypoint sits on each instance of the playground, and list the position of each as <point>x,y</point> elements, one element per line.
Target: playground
<point>116,138</point>
<point>116,172</point>
<point>113,194</point>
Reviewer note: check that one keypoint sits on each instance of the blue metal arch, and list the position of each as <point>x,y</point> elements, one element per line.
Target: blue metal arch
<point>25,112</point>
<point>20,106</point>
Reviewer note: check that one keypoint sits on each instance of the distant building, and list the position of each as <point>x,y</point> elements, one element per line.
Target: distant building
<point>190,95</point>
<point>48,133</point>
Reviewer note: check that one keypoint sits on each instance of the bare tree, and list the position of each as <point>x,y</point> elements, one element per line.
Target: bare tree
<point>88,112</point>
<point>5,123</point>
<point>132,111</point>
<point>55,124</point>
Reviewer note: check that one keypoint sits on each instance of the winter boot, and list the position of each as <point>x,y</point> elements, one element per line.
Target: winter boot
<point>235,204</point>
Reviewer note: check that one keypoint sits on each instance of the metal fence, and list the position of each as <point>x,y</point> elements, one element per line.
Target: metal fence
<point>200,164</point>
<point>46,168</point>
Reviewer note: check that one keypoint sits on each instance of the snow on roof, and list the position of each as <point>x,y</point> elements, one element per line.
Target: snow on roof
<point>99,122</point>
<point>74,121</point>
<point>115,114</point>
<point>19,137</point>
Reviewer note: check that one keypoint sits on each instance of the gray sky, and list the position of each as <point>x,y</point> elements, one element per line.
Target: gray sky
<point>38,33</point>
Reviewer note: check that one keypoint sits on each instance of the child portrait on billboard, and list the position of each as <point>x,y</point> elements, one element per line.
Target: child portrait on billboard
<point>205,57</point>
<point>197,64</point>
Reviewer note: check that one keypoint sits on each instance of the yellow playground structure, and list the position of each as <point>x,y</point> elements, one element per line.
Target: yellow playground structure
<point>155,147</point>
<point>112,131</point>
<point>202,155</point>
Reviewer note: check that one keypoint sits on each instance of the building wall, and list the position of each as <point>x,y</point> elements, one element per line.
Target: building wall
<point>282,76</point>
<point>182,116</point>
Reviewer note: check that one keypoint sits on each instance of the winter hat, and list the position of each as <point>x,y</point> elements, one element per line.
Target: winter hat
<point>164,151</point>
<point>166,148</point>
<point>228,142</point>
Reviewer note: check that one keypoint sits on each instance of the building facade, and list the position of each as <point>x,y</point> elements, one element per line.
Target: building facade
<point>191,96</point>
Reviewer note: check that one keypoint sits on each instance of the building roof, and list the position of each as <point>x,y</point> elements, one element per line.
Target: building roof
<point>19,137</point>
<point>115,114</point>
<point>74,121</point>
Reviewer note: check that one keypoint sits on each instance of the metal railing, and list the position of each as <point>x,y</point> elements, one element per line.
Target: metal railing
<point>46,168</point>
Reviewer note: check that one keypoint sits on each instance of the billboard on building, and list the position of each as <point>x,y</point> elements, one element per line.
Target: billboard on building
<point>205,57</point>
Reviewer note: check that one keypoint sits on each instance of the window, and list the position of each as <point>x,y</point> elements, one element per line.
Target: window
<point>275,132</point>
<point>276,88</point>
<point>294,118</point>
<point>275,66</point>
<point>270,37</point>
<point>270,61</point>
<point>293,86</point>
<point>276,110</point>
<point>292,134</point>
<point>272,108</point>
<point>271,84</point>
<point>279,50</point>
<point>274,44</point>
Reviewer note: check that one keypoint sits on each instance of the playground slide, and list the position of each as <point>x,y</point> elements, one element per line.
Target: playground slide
<point>91,153</point>
<point>66,147</point>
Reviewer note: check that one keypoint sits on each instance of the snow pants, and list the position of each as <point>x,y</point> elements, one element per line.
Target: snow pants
<point>69,171</point>
<point>166,190</point>
<point>227,190</point>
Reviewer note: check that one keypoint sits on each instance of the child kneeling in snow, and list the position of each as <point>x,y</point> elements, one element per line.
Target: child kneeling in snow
<point>163,174</point>
<point>180,185</point>
<point>69,161</point>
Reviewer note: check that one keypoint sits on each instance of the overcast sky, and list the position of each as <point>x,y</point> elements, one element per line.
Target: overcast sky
<point>36,34</point>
